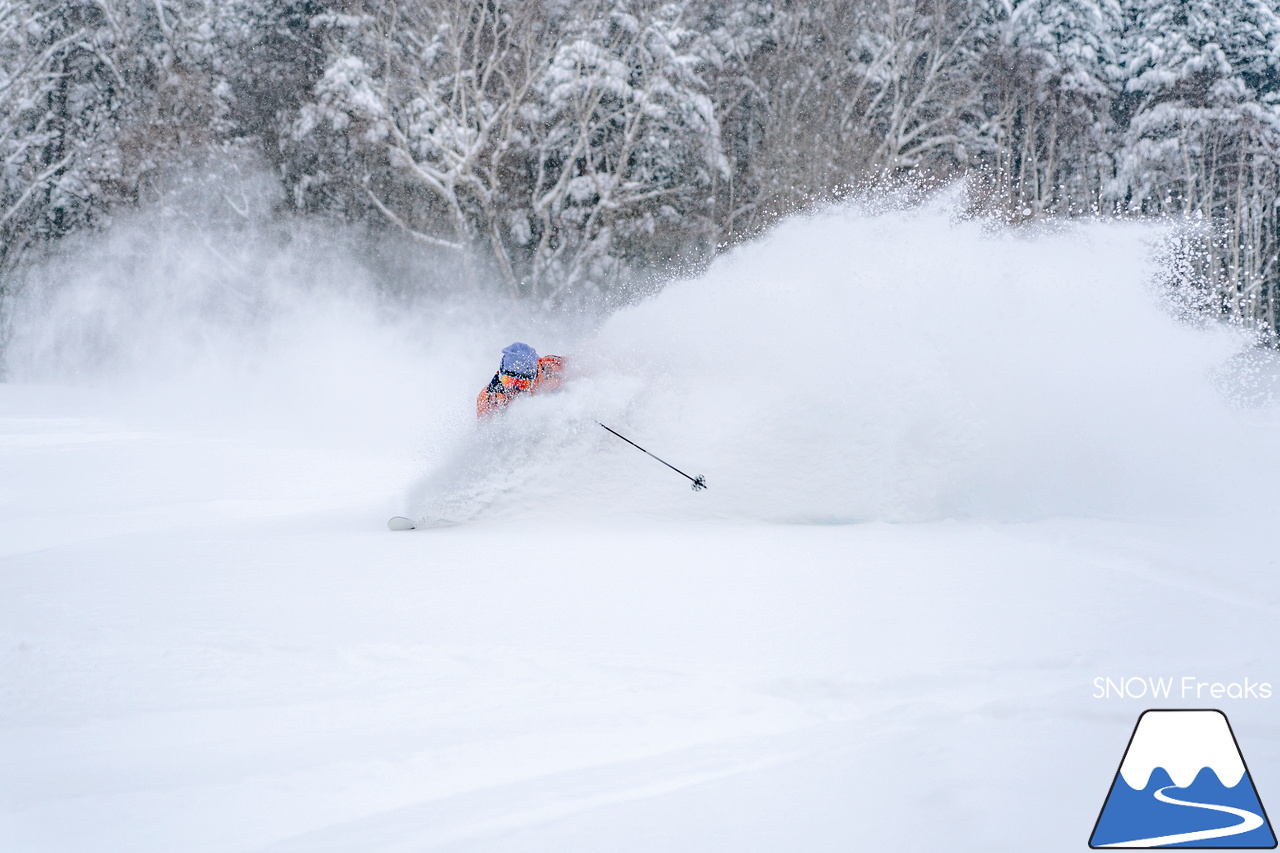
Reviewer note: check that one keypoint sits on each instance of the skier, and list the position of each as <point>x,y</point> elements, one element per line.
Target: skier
<point>521,372</point>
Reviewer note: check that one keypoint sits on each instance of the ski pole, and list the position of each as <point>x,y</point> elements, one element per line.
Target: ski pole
<point>699,482</point>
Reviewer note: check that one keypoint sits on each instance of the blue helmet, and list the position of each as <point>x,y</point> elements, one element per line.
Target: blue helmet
<point>520,360</point>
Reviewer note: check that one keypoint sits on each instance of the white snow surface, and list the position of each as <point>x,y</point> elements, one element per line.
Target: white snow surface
<point>956,474</point>
<point>1183,743</point>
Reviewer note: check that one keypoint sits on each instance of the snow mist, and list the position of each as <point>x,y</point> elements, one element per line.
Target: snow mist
<point>848,367</point>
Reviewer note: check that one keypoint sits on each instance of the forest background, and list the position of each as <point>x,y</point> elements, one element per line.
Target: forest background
<point>575,150</point>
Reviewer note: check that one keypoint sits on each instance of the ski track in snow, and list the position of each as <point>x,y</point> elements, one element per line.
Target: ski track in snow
<point>1248,822</point>
<point>966,473</point>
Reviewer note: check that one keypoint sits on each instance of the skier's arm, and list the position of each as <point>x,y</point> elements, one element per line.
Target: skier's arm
<point>490,399</point>
<point>550,373</point>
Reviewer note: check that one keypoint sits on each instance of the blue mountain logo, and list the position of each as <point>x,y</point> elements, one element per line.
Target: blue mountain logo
<point>1183,783</point>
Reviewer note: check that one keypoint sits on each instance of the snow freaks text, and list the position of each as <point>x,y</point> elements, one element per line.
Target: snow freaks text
<point>1186,687</point>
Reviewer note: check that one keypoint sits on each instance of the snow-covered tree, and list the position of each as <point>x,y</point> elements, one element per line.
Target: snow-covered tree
<point>563,146</point>
<point>1053,79</point>
<point>97,97</point>
<point>918,64</point>
<point>560,146</point>
<point>847,92</point>
<point>630,151</point>
<point>1203,136</point>
<point>740,34</point>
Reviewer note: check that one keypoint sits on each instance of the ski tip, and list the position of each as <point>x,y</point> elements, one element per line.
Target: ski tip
<point>400,523</point>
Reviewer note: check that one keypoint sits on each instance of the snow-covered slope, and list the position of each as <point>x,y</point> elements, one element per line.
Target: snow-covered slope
<point>956,475</point>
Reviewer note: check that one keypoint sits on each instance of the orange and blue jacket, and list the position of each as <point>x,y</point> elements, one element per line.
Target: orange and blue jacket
<point>495,397</point>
